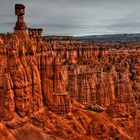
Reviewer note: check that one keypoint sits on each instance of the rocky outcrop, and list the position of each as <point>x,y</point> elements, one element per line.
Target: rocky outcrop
<point>54,82</point>
<point>20,11</point>
<point>21,83</point>
<point>104,77</point>
<point>66,89</point>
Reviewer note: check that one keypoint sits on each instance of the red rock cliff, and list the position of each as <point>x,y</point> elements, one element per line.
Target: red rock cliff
<point>65,89</point>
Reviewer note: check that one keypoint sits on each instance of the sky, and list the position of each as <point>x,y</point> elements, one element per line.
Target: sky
<point>74,17</point>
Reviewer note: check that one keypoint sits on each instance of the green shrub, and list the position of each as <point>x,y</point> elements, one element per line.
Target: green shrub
<point>66,62</point>
<point>93,109</point>
<point>69,132</point>
<point>138,107</point>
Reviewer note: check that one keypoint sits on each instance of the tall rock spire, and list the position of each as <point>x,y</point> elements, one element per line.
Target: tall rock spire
<point>20,11</point>
<point>20,28</point>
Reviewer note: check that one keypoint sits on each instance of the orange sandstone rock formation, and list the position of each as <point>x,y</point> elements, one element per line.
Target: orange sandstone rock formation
<point>66,89</point>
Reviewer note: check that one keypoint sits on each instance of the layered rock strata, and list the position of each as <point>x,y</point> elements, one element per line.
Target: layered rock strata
<point>53,88</point>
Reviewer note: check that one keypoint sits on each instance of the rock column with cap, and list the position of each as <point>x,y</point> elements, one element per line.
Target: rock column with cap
<point>20,11</point>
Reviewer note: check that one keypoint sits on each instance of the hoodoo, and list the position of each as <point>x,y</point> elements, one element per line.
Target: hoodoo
<point>61,88</point>
<point>20,11</point>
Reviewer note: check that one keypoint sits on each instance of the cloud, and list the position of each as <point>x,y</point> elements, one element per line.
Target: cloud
<point>75,17</point>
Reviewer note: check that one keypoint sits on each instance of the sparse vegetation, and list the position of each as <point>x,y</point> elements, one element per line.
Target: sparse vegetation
<point>93,109</point>
<point>69,132</point>
<point>138,107</point>
<point>67,62</point>
<point>122,124</point>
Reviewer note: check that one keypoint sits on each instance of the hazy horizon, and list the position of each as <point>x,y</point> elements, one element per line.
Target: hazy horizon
<point>75,17</point>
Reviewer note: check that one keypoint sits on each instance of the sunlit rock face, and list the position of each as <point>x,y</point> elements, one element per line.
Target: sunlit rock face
<point>66,89</point>
<point>102,78</point>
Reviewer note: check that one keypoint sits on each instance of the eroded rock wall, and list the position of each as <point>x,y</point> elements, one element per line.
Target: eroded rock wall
<point>60,89</point>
